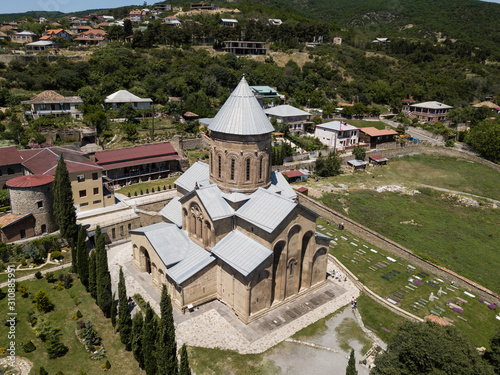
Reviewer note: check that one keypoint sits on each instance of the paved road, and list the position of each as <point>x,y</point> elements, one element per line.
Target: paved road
<point>414,132</point>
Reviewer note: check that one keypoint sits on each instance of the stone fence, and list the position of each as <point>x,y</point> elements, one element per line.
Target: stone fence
<point>396,249</point>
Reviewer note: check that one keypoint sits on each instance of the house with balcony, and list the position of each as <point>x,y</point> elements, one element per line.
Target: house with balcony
<point>57,33</point>
<point>377,138</point>
<point>137,15</point>
<point>337,135</point>
<point>24,37</point>
<point>228,22</point>
<point>137,164</point>
<point>50,103</point>
<point>121,97</point>
<point>92,37</point>
<point>245,47</point>
<point>296,118</point>
<point>431,112</point>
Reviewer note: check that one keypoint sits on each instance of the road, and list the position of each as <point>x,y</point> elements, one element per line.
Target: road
<point>414,132</point>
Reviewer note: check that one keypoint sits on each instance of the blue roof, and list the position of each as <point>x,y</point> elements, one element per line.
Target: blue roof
<point>173,211</point>
<point>259,207</point>
<point>241,252</point>
<point>198,172</point>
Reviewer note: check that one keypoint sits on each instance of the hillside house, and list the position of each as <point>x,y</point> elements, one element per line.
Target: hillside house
<point>431,112</point>
<point>245,47</point>
<point>296,118</point>
<point>24,37</point>
<point>57,33</point>
<point>229,22</point>
<point>376,137</point>
<point>137,15</point>
<point>121,97</point>
<point>337,135</point>
<point>92,37</point>
<point>50,103</point>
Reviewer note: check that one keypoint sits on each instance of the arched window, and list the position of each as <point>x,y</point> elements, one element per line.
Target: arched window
<point>248,169</point>
<point>220,166</point>
<point>44,228</point>
<point>232,168</point>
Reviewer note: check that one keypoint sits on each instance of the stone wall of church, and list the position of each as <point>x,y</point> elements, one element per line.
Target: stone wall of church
<point>202,287</point>
<point>239,164</point>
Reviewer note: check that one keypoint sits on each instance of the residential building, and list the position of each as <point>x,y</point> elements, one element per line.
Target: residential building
<point>163,7</point>
<point>429,111</point>
<point>41,45</point>
<point>136,164</point>
<point>377,137</point>
<point>203,6</point>
<point>137,15</point>
<point>92,37</point>
<point>172,21</point>
<point>4,36</point>
<point>24,37</point>
<point>50,103</point>
<point>10,164</point>
<point>275,21</point>
<point>56,33</point>
<point>245,48</point>
<point>488,104</point>
<point>229,22</point>
<point>234,232</point>
<point>121,97</point>
<point>296,118</point>
<point>337,135</point>
<point>337,40</point>
<point>265,92</point>
<point>381,41</point>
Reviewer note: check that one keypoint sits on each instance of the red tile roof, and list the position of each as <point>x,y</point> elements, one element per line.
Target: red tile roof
<point>136,155</point>
<point>292,174</point>
<point>374,132</point>
<point>378,157</point>
<point>10,219</point>
<point>30,181</point>
<point>302,189</point>
<point>9,155</point>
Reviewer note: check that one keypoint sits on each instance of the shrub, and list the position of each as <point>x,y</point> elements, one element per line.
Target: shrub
<point>141,192</point>
<point>170,186</point>
<point>56,348</point>
<point>43,302</point>
<point>99,354</point>
<point>38,275</point>
<point>107,365</point>
<point>128,194</point>
<point>23,262</point>
<point>147,190</point>
<point>152,190</point>
<point>135,193</point>
<point>56,254</point>
<point>164,187</point>
<point>49,276</point>
<point>22,289</point>
<point>28,347</point>
<point>79,314</point>
<point>2,294</point>
<point>60,286</point>
<point>68,281</point>
<point>80,324</point>
<point>450,143</point>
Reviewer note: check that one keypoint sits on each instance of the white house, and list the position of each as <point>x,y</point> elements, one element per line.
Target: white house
<point>337,135</point>
<point>121,97</point>
<point>296,118</point>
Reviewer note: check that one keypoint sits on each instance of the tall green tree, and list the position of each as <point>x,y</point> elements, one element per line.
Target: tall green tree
<point>351,365</point>
<point>83,259</point>
<point>184,368</point>
<point>149,341</point>
<point>485,138</point>
<point>359,153</point>
<point>328,166</point>
<point>167,346</point>
<point>64,209</point>
<point>74,258</point>
<point>493,355</point>
<point>92,274</point>
<point>137,336</point>
<point>428,348</point>
<point>113,312</point>
<point>124,318</point>
<point>103,278</point>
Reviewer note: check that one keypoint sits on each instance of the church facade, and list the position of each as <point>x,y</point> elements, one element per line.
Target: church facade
<point>234,232</point>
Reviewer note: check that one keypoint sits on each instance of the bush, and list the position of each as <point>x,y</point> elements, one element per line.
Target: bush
<point>147,190</point>
<point>38,275</point>
<point>169,187</point>
<point>43,302</point>
<point>28,347</point>
<point>135,193</point>
<point>450,143</point>
<point>141,192</point>
<point>164,187</point>
<point>2,294</point>
<point>56,254</point>
<point>22,289</point>
<point>56,348</point>
<point>128,194</point>
<point>50,277</point>
<point>152,190</point>
<point>79,314</point>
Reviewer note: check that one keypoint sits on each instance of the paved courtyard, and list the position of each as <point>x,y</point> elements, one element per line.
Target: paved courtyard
<point>214,325</point>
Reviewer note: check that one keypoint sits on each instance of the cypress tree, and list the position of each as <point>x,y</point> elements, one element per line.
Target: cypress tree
<point>137,336</point>
<point>351,366</point>
<point>74,259</point>
<point>64,209</point>
<point>113,312</point>
<point>83,259</point>
<point>103,278</point>
<point>149,341</point>
<point>184,367</point>
<point>167,347</point>
<point>92,274</point>
<point>124,318</point>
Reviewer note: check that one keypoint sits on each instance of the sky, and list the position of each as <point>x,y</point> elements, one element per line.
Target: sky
<point>65,6</point>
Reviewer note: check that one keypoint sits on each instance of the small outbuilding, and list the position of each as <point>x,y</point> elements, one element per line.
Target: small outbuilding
<point>295,176</point>
<point>377,160</point>
<point>356,165</point>
<point>303,190</point>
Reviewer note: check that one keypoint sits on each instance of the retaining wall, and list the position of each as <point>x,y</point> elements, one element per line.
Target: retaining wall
<point>396,249</point>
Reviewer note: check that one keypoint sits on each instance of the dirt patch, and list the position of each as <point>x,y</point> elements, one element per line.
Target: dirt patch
<point>461,200</point>
<point>410,222</point>
<point>396,189</point>
<point>206,11</point>
<point>23,365</point>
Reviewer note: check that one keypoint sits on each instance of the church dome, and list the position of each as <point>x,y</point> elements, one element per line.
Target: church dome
<point>241,114</point>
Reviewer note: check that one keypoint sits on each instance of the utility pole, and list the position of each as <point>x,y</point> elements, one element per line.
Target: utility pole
<point>153,122</point>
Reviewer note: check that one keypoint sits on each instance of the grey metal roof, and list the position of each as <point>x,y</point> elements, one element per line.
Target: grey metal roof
<point>236,197</point>
<point>285,111</point>
<point>431,105</point>
<point>356,163</point>
<point>257,210</point>
<point>206,121</point>
<point>123,96</point>
<point>41,43</point>
<point>281,186</point>
<point>196,173</point>
<point>337,126</point>
<point>241,252</point>
<point>321,235</point>
<point>168,240</point>
<point>241,114</point>
<point>173,211</point>
<point>213,201</point>
<point>196,259</point>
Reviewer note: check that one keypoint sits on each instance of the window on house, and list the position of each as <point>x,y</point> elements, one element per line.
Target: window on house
<point>232,168</point>
<point>113,233</point>
<point>129,227</point>
<point>44,228</point>
<point>96,202</point>
<point>121,230</point>
<point>81,178</point>
<point>22,232</point>
<point>248,169</point>
<point>220,166</point>
<point>96,191</point>
<point>84,204</point>
<point>39,204</point>
<point>95,176</point>
<point>83,193</point>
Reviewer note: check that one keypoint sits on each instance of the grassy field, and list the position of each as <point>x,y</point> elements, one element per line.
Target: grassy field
<point>136,188</point>
<point>359,257</point>
<point>77,358</point>
<point>366,124</point>
<point>463,239</point>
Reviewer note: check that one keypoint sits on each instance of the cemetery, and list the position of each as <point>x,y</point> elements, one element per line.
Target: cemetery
<point>410,288</point>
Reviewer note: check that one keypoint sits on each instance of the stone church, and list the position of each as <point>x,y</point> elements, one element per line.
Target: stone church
<point>234,232</point>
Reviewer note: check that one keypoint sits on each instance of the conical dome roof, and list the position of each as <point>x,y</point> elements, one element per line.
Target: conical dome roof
<point>241,114</point>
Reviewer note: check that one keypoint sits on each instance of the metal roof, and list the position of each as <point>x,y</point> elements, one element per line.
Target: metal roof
<point>236,197</point>
<point>123,96</point>
<point>431,105</point>
<point>213,201</point>
<point>241,252</point>
<point>41,43</point>
<point>285,111</point>
<point>196,173</point>
<point>262,202</point>
<point>337,126</point>
<point>173,211</point>
<point>357,163</point>
<point>321,235</point>
<point>281,186</point>
<point>170,243</point>
<point>195,260</point>
<point>241,114</point>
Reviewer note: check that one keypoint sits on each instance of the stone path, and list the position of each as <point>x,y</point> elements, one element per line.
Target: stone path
<point>214,325</point>
<point>31,275</point>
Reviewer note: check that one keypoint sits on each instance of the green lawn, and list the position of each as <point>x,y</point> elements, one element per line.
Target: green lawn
<point>136,188</point>
<point>366,124</point>
<point>480,319</point>
<point>77,358</point>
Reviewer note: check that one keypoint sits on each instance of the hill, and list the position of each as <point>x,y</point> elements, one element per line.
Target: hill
<point>10,17</point>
